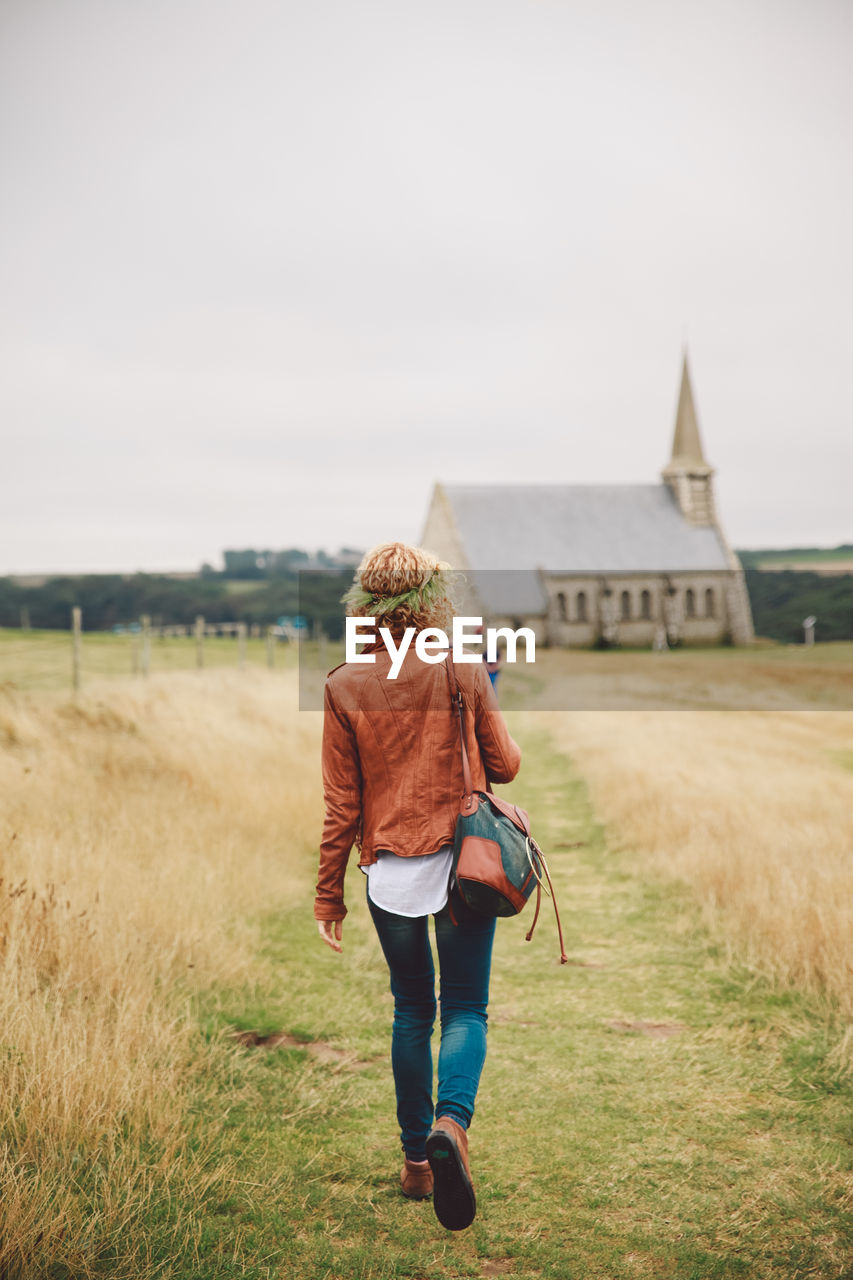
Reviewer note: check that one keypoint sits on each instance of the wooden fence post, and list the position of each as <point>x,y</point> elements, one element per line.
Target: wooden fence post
<point>199,641</point>
<point>146,643</point>
<point>270,648</point>
<point>241,644</point>
<point>76,627</point>
<point>25,618</point>
<point>134,653</point>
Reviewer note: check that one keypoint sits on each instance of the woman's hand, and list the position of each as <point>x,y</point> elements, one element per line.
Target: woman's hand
<point>330,932</point>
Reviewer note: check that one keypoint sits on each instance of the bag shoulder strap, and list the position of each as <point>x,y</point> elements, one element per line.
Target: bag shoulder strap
<point>459,706</point>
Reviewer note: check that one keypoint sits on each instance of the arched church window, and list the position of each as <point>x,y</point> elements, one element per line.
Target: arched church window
<point>646,604</point>
<point>626,605</point>
<point>580,606</point>
<point>562,607</point>
<point>690,602</point>
<point>710,603</point>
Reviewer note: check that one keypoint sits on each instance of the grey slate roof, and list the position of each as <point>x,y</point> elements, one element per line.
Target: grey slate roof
<point>597,529</point>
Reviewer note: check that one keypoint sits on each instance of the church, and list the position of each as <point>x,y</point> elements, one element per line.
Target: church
<point>585,565</point>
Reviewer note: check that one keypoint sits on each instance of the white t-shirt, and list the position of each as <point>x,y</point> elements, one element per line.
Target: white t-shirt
<point>410,886</point>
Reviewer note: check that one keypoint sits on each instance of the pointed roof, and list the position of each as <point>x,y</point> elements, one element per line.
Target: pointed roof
<point>686,442</point>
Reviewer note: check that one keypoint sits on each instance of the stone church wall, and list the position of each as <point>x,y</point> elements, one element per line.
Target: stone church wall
<point>581,613</point>
<point>630,609</point>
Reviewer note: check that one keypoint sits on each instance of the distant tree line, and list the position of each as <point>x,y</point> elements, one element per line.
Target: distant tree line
<point>781,600</point>
<point>255,587</point>
<point>258,587</point>
<point>825,555</point>
<point>252,564</point>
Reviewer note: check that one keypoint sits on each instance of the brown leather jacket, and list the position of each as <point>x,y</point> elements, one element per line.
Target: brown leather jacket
<point>392,767</point>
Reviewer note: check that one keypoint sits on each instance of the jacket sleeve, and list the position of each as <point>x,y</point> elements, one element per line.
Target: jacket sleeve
<point>342,793</point>
<point>501,755</point>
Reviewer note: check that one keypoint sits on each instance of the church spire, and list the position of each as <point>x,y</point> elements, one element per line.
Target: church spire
<point>687,473</point>
<point>686,442</point>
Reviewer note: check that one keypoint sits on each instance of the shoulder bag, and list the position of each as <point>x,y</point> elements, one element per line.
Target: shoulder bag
<point>496,862</point>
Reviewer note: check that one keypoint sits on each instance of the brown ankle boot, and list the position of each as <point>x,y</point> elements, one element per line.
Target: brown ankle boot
<point>453,1191</point>
<point>416,1179</point>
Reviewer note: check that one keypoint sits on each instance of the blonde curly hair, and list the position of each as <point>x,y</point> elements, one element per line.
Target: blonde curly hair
<point>402,586</point>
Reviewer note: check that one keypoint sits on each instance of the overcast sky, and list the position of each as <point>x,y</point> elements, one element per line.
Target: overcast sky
<point>271,269</point>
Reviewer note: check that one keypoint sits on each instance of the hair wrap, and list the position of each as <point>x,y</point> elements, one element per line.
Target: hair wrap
<point>401,586</point>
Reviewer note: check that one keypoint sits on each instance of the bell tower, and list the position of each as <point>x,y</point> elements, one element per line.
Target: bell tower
<point>687,473</point>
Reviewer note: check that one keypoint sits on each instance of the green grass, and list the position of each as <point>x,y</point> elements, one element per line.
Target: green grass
<point>811,555</point>
<point>43,659</point>
<point>244,586</point>
<point>720,1146</point>
<point>816,676</point>
<point>844,758</point>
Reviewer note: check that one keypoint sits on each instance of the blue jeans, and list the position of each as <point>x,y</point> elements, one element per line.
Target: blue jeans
<point>465,961</point>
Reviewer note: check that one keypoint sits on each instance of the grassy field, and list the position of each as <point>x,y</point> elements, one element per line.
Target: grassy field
<point>42,659</point>
<point>674,1103</point>
<point>142,829</point>
<point>765,677</point>
<point>814,559</point>
<point>753,810</point>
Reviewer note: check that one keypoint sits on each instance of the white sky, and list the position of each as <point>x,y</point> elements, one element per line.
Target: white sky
<point>268,268</point>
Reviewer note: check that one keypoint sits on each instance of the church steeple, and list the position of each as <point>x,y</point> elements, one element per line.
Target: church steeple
<point>687,473</point>
<point>686,442</point>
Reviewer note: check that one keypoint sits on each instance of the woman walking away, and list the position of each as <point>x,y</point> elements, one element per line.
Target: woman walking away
<point>392,777</point>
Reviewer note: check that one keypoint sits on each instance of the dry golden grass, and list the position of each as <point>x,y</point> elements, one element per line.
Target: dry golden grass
<point>144,829</point>
<point>765,677</point>
<point>755,810</point>
<point>141,829</point>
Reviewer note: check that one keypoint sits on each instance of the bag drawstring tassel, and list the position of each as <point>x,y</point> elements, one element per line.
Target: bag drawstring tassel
<point>529,933</point>
<point>564,959</point>
<point>534,855</point>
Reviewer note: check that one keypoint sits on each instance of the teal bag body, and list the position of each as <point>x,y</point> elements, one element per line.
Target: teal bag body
<point>496,862</point>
